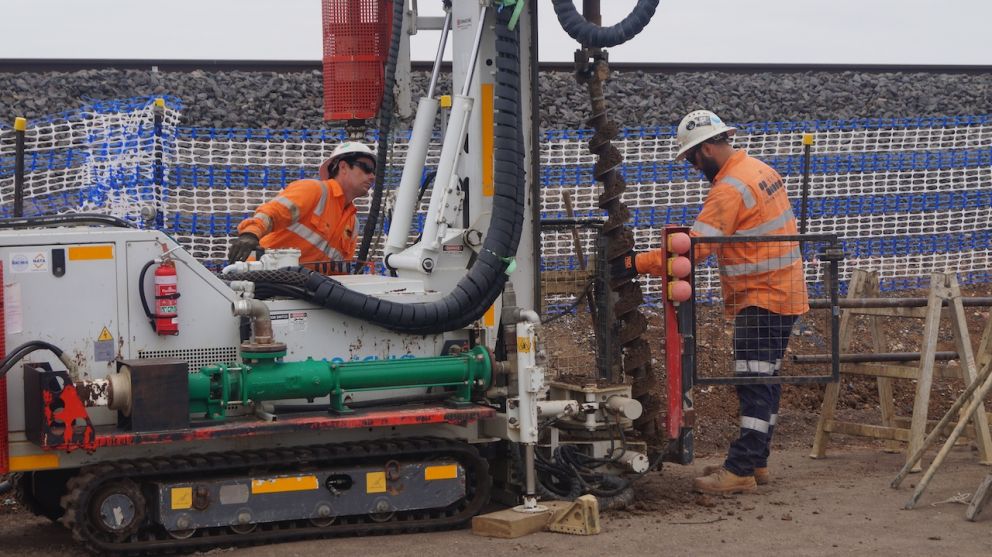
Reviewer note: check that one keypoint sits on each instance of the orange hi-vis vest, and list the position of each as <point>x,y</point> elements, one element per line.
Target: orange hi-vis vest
<point>748,199</point>
<point>311,216</point>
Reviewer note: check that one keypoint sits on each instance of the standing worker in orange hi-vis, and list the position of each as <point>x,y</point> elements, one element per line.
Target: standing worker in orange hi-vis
<point>315,216</point>
<point>763,286</point>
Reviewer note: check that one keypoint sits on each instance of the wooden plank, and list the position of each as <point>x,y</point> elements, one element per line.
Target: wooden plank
<point>919,313</point>
<point>564,282</point>
<point>509,523</point>
<point>829,406</point>
<point>904,422</point>
<point>898,371</point>
<point>984,353</point>
<point>962,340</point>
<point>979,499</point>
<point>931,328</point>
<point>886,398</point>
<point>867,430</point>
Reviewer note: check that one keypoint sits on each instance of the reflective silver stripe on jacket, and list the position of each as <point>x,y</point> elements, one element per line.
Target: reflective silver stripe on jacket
<point>770,226</point>
<point>742,188</point>
<point>773,420</point>
<point>323,198</point>
<point>266,220</point>
<point>770,264</point>
<point>704,229</point>
<point>754,366</point>
<point>748,422</point>
<point>294,211</point>
<point>316,240</point>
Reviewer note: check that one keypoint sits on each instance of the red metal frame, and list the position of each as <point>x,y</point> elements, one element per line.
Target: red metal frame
<point>109,436</point>
<point>675,420</point>
<point>4,441</point>
<point>356,43</point>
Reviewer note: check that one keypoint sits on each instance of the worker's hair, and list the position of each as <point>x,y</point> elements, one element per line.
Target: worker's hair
<point>332,170</point>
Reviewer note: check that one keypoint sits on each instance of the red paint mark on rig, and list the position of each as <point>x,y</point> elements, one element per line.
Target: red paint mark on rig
<point>72,410</point>
<point>238,428</point>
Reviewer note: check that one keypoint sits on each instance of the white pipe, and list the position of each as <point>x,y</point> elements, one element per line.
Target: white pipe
<point>446,180</point>
<point>261,324</point>
<point>404,262</point>
<point>530,316</point>
<point>627,407</point>
<point>557,408</point>
<point>413,169</point>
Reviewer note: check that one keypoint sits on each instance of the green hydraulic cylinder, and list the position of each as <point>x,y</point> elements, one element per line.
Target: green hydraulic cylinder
<point>214,387</point>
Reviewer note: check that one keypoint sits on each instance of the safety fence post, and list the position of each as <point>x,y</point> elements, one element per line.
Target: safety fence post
<point>158,168</point>
<point>20,127</point>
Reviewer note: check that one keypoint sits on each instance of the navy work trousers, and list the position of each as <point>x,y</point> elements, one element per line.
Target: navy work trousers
<point>760,340</point>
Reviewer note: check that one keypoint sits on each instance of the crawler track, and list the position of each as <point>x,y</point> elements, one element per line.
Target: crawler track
<point>148,538</point>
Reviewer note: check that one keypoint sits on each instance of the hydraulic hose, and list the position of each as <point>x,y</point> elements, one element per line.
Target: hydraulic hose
<point>385,129</point>
<point>23,350</point>
<point>484,281</point>
<point>141,293</point>
<point>62,220</point>
<point>590,35</point>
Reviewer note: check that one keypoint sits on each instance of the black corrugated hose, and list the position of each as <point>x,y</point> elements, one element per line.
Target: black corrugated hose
<point>484,281</point>
<point>79,219</point>
<point>385,131</point>
<point>590,35</point>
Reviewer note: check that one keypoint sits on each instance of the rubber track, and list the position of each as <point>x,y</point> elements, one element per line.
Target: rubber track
<point>152,539</point>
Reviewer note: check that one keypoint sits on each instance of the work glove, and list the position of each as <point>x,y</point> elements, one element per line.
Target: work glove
<point>241,247</point>
<point>625,267</point>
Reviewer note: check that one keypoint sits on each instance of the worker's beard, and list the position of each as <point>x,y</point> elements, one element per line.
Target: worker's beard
<point>708,167</point>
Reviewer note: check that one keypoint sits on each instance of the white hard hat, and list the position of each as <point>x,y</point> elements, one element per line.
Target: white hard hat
<point>344,149</point>
<point>697,127</point>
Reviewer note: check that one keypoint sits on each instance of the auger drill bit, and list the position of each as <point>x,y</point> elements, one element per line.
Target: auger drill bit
<point>633,361</point>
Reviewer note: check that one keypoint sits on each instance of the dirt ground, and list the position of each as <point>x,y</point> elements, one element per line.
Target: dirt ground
<point>834,506</point>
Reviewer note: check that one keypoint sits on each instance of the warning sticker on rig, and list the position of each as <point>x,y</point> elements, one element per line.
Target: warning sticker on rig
<point>375,482</point>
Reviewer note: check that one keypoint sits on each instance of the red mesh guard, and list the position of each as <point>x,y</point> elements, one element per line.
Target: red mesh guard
<point>4,441</point>
<point>356,42</point>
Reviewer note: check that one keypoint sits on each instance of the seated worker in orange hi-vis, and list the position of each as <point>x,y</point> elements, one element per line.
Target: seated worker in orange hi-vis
<point>762,282</point>
<point>316,217</point>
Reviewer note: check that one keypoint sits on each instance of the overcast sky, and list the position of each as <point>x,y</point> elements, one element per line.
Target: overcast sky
<point>703,31</point>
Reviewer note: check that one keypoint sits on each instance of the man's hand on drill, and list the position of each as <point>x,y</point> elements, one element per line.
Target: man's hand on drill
<point>241,247</point>
<point>624,267</point>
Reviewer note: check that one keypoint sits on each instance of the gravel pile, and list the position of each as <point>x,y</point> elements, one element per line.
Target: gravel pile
<point>293,100</point>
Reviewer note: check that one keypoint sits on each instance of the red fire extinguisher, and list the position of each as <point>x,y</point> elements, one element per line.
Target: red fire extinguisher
<point>166,298</point>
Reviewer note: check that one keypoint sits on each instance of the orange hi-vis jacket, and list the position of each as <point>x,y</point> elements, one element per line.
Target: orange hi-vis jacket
<point>748,199</point>
<point>310,215</point>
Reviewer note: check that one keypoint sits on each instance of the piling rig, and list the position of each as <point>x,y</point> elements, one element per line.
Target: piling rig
<point>175,409</point>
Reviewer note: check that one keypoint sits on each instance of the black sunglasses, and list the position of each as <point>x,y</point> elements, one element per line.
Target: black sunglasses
<point>366,167</point>
<point>690,155</point>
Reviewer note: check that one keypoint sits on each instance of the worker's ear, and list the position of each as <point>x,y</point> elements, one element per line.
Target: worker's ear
<point>706,148</point>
